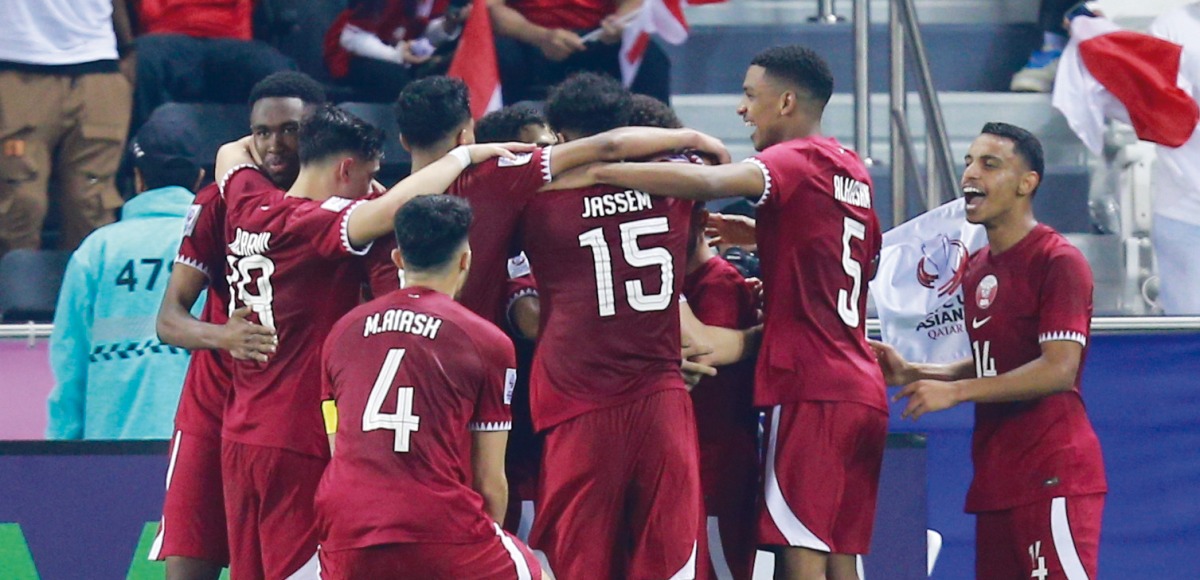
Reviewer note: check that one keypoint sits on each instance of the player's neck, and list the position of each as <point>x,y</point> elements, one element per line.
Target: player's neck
<point>422,156</point>
<point>313,183</point>
<point>438,282</point>
<point>1003,234</point>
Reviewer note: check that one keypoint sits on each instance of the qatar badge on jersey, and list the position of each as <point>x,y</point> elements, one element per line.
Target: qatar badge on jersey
<point>985,293</point>
<point>336,204</point>
<point>510,384</point>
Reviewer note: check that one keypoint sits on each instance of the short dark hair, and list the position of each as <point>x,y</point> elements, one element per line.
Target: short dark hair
<point>331,130</point>
<point>506,124</point>
<point>288,84</point>
<point>1025,145</point>
<point>176,171</point>
<point>648,111</point>
<point>430,228</point>
<point>799,66</point>
<point>588,103</point>
<point>429,109</point>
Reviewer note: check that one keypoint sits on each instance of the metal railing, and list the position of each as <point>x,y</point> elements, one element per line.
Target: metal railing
<point>904,35</point>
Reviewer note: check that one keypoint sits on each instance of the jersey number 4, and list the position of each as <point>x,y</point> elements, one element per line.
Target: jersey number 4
<point>637,257</point>
<point>403,421</point>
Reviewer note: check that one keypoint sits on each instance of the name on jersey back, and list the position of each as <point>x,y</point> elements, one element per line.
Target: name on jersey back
<point>628,201</point>
<point>851,191</point>
<point>400,320</point>
<point>249,243</point>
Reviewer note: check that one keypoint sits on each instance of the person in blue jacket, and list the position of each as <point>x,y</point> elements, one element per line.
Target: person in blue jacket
<point>114,378</point>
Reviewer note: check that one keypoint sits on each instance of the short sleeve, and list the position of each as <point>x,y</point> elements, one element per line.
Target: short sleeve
<point>203,243</point>
<point>520,287</point>
<point>721,302</point>
<point>517,178</point>
<point>493,410</point>
<point>327,227</point>
<point>243,180</point>
<point>1065,303</point>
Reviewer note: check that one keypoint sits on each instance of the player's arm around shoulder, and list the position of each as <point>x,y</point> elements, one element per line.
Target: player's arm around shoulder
<point>684,180</point>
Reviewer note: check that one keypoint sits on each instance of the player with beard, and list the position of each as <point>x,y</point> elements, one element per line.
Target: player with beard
<point>818,238</point>
<point>1039,485</point>
<point>192,536</point>
<point>290,257</point>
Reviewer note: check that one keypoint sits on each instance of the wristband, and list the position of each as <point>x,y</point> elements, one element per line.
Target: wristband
<point>462,155</point>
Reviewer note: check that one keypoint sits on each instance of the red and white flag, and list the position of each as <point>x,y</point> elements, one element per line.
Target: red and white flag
<point>662,17</point>
<point>1107,72</point>
<point>475,61</point>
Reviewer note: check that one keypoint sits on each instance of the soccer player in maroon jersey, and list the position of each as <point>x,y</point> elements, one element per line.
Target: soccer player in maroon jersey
<point>818,237</point>
<point>726,420</point>
<point>619,494</point>
<point>1039,484</point>
<point>191,536</point>
<point>290,261</point>
<point>405,378</point>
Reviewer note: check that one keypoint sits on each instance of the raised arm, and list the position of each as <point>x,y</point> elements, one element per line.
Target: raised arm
<point>373,219</point>
<point>684,180</point>
<point>633,143</point>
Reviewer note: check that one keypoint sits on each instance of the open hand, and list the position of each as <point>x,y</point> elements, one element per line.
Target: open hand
<point>483,151</point>
<point>734,230</point>
<point>246,340</point>
<point>927,396</point>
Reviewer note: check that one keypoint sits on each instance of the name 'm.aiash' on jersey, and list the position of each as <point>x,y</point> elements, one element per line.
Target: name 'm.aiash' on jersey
<point>610,266</point>
<point>411,372</point>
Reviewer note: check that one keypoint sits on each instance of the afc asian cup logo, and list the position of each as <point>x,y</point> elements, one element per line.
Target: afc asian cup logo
<point>943,264</point>
<point>985,294</point>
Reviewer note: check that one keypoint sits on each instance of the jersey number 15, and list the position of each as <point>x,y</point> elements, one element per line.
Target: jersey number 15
<point>637,257</point>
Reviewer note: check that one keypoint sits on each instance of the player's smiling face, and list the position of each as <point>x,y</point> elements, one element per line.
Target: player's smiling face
<point>995,179</point>
<point>275,124</point>
<point>760,108</point>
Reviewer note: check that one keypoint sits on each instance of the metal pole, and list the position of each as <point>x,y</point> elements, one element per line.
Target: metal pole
<point>825,13</point>
<point>862,89</point>
<point>934,122</point>
<point>898,113</point>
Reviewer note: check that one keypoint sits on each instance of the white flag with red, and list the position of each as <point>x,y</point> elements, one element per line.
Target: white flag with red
<point>656,17</point>
<point>475,61</point>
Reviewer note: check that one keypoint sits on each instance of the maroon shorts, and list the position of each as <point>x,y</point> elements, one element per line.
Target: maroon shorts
<point>620,491</point>
<point>501,557</point>
<point>269,496</point>
<point>729,481</point>
<point>1052,538</point>
<point>193,521</point>
<point>821,475</point>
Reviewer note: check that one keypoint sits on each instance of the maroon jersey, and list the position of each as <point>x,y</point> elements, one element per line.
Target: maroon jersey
<point>208,378</point>
<point>817,240</point>
<point>1037,291</point>
<point>726,420</point>
<point>411,373</point>
<point>289,260</point>
<point>609,266</point>
<point>497,191</point>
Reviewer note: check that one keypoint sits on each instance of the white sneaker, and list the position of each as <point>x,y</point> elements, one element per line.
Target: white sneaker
<point>1037,76</point>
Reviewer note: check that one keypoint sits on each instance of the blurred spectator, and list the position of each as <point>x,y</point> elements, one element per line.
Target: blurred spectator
<point>540,42</point>
<point>1037,76</point>
<point>64,113</point>
<point>198,51</point>
<point>1176,180</point>
<point>377,46</point>
<point>114,378</point>
<point>520,122</point>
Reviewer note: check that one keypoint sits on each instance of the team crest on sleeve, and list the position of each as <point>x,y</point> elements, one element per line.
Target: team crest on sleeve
<point>189,221</point>
<point>519,160</point>
<point>336,204</point>
<point>510,384</point>
<point>985,294</point>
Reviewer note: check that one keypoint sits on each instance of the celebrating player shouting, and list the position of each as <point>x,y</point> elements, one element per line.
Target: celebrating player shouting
<point>1039,484</point>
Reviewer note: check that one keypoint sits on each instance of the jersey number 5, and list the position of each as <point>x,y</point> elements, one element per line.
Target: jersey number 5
<point>847,302</point>
<point>403,421</point>
<point>635,256</point>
